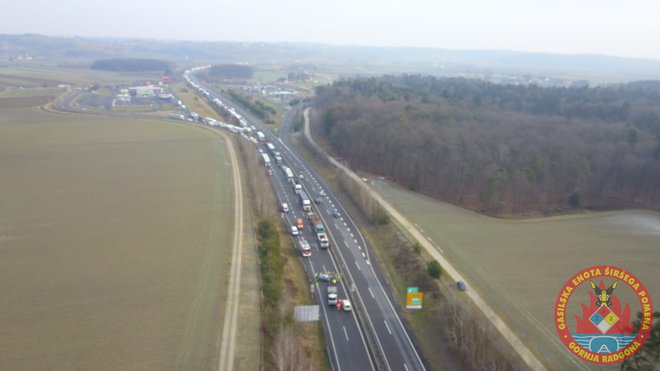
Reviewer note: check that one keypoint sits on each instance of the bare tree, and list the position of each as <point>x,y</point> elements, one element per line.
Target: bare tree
<point>287,352</point>
<point>474,339</point>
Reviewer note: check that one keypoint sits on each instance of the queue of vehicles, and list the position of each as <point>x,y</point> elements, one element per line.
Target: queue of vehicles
<point>399,350</point>
<point>305,205</point>
<point>246,131</point>
<point>265,156</point>
<point>349,324</point>
<point>244,128</point>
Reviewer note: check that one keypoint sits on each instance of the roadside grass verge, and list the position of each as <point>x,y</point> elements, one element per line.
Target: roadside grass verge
<point>195,103</point>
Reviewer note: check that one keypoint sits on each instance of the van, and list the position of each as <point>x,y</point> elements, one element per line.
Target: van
<point>285,207</point>
<point>294,230</point>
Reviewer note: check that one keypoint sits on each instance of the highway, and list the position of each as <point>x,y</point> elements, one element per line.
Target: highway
<point>372,336</point>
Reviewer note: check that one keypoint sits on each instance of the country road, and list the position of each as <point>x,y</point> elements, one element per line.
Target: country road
<point>227,349</point>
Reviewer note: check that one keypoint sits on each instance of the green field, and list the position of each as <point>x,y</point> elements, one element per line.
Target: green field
<point>114,235</point>
<point>519,266</point>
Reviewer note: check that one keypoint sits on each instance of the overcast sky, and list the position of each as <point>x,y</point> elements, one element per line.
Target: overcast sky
<point>623,28</point>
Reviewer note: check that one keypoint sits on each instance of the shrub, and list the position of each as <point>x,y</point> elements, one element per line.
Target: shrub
<point>434,269</point>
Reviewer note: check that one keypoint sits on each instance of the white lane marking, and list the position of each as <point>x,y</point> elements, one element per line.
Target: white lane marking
<point>357,265</point>
<point>323,266</point>
<point>345,225</point>
<point>345,333</point>
<point>406,367</point>
<point>364,256</point>
<point>346,244</point>
<point>359,248</point>
<point>352,235</point>
<point>355,240</point>
<point>370,292</point>
<point>388,328</point>
<point>368,262</point>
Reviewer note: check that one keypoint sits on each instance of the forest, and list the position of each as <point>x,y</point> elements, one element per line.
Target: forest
<point>500,149</point>
<point>130,65</point>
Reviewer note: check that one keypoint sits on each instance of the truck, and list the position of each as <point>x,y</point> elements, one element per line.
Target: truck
<point>323,240</point>
<point>297,187</point>
<point>300,224</point>
<point>261,136</point>
<point>289,174</point>
<point>304,201</point>
<point>265,159</point>
<point>332,295</point>
<point>305,249</point>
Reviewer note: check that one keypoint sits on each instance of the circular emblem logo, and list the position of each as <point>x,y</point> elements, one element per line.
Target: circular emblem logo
<point>593,318</point>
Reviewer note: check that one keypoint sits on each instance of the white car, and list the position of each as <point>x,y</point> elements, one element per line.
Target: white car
<point>285,207</point>
<point>294,230</point>
<point>346,305</point>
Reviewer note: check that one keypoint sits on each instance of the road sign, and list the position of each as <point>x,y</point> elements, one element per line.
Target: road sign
<point>413,290</point>
<point>414,300</point>
<point>306,313</point>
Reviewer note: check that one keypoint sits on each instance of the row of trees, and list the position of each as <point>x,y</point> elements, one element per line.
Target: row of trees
<point>464,142</point>
<point>256,107</point>
<point>271,263</point>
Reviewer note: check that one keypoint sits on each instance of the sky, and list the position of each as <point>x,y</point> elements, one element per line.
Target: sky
<point>621,28</point>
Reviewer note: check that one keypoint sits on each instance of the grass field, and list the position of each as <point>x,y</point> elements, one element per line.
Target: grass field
<point>114,236</point>
<point>194,103</point>
<point>519,266</point>
<point>37,74</point>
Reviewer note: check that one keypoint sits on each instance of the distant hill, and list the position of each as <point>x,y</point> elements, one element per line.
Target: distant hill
<point>372,60</point>
<point>130,65</point>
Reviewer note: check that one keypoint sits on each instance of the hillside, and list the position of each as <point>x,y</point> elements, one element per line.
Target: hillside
<point>344,60</point>
<point>500,149</point>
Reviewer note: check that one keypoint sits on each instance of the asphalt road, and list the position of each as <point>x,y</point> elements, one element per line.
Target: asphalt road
<point>392,338</point>
<point>378,338</point>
